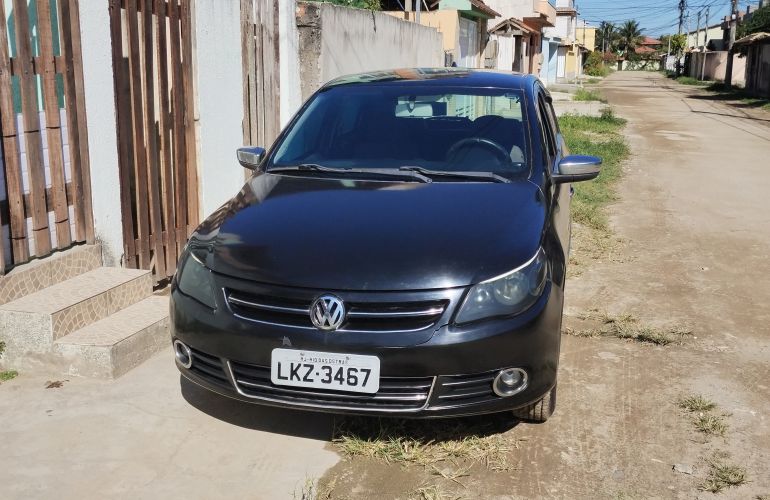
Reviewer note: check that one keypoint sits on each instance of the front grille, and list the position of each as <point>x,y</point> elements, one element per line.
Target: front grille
<point>395,394</point>
<point>361,316</point>
<point>461,390</point>
<point>209,368</point>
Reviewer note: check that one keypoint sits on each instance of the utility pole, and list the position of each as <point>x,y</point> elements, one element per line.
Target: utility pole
<point>697,32</point>
<point>417,13</point>
<point>681,23</point>
<point>705,44</point>
<point>729,68</point>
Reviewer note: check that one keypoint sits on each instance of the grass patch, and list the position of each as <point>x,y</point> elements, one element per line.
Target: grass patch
<point>696,403</point>
<point>593,81</point>
<point>722,474</point>
<point>688,80</point>
<point>710,424</point>
<point>738,94</point>
<point>8,375</point>
<point>602,137</point>
<point>419,442</point>
<point>627,326</point>
<point>587,95</point>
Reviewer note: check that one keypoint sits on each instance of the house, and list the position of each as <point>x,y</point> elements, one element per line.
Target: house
<point>711,37</point>
<point>757,48</point>
<point>132,145</point>
<point>520,35</point>
<point>586,36</point>
<point>463,26</point>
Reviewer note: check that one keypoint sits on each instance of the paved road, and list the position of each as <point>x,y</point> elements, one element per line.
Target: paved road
<point>695,218</point>
<point>150,435</point>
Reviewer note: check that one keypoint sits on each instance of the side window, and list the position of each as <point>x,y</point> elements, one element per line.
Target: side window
<point>547,125</point>
<point>552,118</point>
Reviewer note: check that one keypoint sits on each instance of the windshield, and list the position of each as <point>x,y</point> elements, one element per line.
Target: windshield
<point>428,126</point>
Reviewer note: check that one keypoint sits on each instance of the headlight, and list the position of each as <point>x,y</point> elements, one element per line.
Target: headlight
<point>508,294</point>
<point>194,280</point>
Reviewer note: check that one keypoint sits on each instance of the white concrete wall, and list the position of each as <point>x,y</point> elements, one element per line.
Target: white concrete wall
<point>355,41</point>
<point>511,8</point>
<point>102,135</point>
<point>288,45</point>
<point>220,100</point>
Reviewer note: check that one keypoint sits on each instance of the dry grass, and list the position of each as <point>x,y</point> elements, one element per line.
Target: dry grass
<point>310,491</point>
<point>696,403</point>
<point>722,474</point>
<point>431,492</point>
<point>710,424</point>
<point>627,326</point>
<point>449,449</point>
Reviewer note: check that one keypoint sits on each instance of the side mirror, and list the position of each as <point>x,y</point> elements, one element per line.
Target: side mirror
<point>578,168</point>
<point>250,156</point>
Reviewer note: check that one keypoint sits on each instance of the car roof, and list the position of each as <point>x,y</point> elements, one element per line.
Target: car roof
<point>450,77</point>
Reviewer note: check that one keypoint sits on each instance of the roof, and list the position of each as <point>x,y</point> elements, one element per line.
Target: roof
<point>437,76</point>
<point>477,6</point>
<point>753,38</point>
<point>486,9</point>
<point>566,11</point>
<point>644,50</point>
<point>511,26</point>
<point>651,41</point>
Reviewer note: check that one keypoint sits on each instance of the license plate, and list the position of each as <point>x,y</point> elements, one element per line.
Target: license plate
<point>325,370</point>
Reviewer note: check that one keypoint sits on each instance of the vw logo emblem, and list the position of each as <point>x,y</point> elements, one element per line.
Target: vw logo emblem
<point>327,312</point>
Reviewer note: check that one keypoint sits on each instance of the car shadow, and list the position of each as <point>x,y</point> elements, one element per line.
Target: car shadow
<point>328,427</point>
<point>304,424</point>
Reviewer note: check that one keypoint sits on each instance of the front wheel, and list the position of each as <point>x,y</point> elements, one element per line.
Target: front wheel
<point>539,411</point>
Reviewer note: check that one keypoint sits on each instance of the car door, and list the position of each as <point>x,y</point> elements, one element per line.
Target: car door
<point>560,194</point>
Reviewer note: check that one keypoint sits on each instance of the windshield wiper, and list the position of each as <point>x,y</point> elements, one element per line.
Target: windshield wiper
<point>314,167</point>
<point>488,176</point>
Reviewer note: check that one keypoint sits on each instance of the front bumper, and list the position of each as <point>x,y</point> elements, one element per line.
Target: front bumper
<point>450,374</point>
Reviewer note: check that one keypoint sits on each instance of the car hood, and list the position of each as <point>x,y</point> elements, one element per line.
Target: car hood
<point>345,234</point>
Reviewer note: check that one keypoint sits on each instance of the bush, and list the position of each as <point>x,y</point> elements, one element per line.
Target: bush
<point>600,70</point>
<point>595,65</point>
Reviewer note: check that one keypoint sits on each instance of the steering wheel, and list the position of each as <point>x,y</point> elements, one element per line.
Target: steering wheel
<point>488,144</point>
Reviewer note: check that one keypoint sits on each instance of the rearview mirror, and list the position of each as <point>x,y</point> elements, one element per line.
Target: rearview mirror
<point>250,156</point>
<point>578,168</point>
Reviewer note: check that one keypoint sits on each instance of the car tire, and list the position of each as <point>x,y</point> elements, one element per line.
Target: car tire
<point>539,411</point>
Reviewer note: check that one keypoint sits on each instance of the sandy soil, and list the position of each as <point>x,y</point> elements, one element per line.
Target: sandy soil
<point>694,220</point>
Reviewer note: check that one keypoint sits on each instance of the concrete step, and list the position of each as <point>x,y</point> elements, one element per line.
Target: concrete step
<point>41,273</point>
<point>114,345</point>
<point>32,323</point>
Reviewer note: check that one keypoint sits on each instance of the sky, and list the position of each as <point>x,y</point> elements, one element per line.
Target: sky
<point>656,17</point>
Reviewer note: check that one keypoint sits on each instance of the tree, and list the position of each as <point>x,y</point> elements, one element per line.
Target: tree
<point>358,4</point>
<point>629,36</point>
<point>758,22</point>
<point>678,44</point>
<point>606,36</point>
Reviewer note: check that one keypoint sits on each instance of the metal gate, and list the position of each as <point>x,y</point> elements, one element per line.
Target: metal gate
<point>154,98</point>
<point>45,193</point>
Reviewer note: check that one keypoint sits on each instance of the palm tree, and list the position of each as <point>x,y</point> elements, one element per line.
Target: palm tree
<point>606,36</point>
<point>629,36</point>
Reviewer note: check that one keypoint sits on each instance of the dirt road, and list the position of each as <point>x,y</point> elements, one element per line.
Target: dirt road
<point>694,218</point>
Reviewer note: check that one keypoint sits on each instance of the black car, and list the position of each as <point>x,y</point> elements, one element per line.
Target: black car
<point>400,250</point>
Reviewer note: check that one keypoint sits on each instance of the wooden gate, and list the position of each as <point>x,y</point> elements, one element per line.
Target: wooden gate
<point>153,67</point>
<point>261,82</point>
<point>46,189</point>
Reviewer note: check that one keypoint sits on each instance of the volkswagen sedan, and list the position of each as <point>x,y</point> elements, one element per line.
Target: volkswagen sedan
<point>399,250</point>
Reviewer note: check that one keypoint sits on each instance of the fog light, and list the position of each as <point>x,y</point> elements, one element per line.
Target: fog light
<point>509,382</point>
<point>183,354</point>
